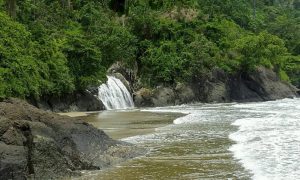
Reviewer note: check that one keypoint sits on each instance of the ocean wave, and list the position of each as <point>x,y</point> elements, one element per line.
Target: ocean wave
<point>269,145</point>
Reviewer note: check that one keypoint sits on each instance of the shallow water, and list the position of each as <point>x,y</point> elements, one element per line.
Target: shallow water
<point>120,124</point>
<point>212,141</point>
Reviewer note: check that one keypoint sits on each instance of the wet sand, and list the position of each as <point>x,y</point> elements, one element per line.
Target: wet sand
<point>75,114</point>
<point>122,124</point>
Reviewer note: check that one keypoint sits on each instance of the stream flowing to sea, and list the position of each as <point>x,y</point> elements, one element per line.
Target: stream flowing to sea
<point>210,141</point>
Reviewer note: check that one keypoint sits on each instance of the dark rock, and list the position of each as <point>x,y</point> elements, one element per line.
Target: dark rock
<point>128,73</point>
<point>218,75</point>
<point>77,101</point>
<point>13,162</point>
<point>184,93</point>
<point>88,102</point>
<point>215,88</point>
<point>217,92</point>
<point>163,96</point>
<point>261,85</point>
<point>239,91</point>
<point>93,90</point>
<point>143,98</point>
<point>13,136</point>
<point>44,145</point>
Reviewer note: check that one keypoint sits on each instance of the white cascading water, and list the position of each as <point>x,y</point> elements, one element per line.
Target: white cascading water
<point>115,95</point>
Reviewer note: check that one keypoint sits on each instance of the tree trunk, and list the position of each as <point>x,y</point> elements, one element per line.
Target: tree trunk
<point>66,3</point>
<point>11,6</point>
<point>126,7</point>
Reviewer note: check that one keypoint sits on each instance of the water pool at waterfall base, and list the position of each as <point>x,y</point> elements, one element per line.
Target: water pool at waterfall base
<point>208,141</point>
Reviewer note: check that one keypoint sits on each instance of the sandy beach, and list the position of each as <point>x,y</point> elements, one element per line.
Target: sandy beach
<point>123,124</point>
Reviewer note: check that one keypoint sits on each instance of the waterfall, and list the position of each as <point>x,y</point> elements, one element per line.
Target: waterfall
<point>115,95</point>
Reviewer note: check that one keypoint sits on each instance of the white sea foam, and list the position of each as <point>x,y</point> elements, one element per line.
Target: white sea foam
<point>269,144</point>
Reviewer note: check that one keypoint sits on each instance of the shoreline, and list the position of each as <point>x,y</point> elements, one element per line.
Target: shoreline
<point>123,124</point>
<point>173,151</point>
<point>129,125</point>
<point>75,114</point>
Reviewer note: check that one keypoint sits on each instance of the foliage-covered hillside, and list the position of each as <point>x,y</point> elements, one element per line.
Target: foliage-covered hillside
<point>61,46</point>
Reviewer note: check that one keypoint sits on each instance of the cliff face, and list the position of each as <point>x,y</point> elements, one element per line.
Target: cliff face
<point>261,85</point>
<point>43,145</point>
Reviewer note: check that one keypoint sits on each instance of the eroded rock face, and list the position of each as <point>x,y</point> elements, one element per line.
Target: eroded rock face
<point>217,92</point>
<point>184,94</point>
<point>161,96</point>
<point>77,101</point>
<point>261,85</point>
<point>143,98</point>
<point>35,143</point>
<point>127,73</point>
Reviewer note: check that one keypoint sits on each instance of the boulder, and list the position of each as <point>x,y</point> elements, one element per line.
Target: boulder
<point>216,88</point>
<point>163,96</point>
<point>86,101</point>
<point>13,162</point>
<point>43,145</point>
<point>143,98</point>
<point>184,93</point>
<point>217,92</point>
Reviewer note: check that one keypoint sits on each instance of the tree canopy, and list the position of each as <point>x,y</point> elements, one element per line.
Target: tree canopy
<point>62,46</point>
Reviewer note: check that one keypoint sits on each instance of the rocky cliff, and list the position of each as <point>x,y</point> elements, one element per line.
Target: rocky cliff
<point>260,85</point>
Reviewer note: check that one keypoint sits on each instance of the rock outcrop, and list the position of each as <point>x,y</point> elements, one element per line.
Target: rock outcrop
<point>44,145</point>
<point>129,74</point>
<point>143,98</point>
<point>184,93</point>
<point>164,96</point>
<point>260,85</point>
<point>77,101</point>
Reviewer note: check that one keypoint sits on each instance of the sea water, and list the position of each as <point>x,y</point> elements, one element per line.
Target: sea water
<point>218,141</point>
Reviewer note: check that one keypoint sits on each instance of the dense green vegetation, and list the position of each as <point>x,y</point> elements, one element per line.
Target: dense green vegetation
<point>61,46</point>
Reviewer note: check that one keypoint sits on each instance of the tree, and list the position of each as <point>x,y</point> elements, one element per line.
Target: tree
<point>11,6</point>
<point>19,72</point>
<point>263,49</point>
